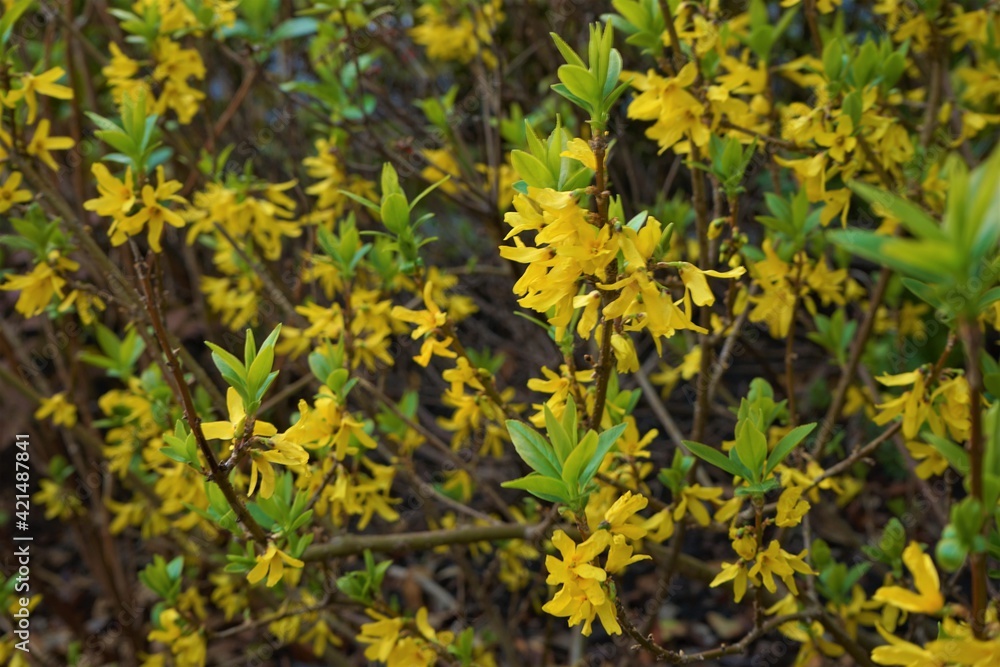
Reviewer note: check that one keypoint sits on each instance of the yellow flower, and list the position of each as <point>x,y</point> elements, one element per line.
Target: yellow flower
<point>582,596</point>
<point>840,142</point>
<point>187,647</point>
<point>579,150</point>
<point>40,285</point>
<point>735,572</point>
<point>912,404</point>
<point>618,515</point>
<point>690,501</point>
<point>272,563</point>
<point>575,564</point>
<point>63,412</point>
<point>58,501</point>
<point>932,461</point>
<point>153,212</point>
<point>626,359</point>
<point>903,653</point>
<point>227,430</point>
<point>117,197</point>
<point>10,194</point>
<point>85,304</point>
<point>285,454</point>
<point>776,561</point>
<point>41,143</point>
<point>620,555</point>
<point>928,598</point>
<point>382,635</point>
<point>41,84</point>
<point>791,507</point>
<point>696,285</point>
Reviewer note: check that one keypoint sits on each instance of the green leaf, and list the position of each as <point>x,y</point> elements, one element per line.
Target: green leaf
<point>10,17</point>
<point>533,449</point>
<point>751,447</point>
<point>911,216</point>
<point>395,212</point>
<point>928,264</point>
<point>605,441</point>
<point>576,462</point>
<point>924,292</point>
<point>557,435</point>
<point>300,26</point>
<point>581,84</point>
<point>532,170</point>
<point>786,445</point>
<point>715,457</point>
<point>567,52</point>
<point>546,488</point>
<point>957,457</point>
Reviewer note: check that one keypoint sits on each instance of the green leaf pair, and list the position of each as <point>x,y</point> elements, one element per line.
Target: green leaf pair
<point>749,458</point>
<point>954,265</point>
<point>137,139</point>
<point>593,86</point>
<point>564,465</point>
<point>543,166</point>
<point>252,377</point>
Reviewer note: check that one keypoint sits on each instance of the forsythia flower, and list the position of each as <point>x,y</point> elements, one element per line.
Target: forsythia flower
<point>233,427</point>
<point>618,515</point>
<point>41,143</point>
<point>690,502</point>
<point>461,38</point>
<point>791,507</point>
<point>40,285</point>
<point>928,598</point>
<point>152,212</point>
<point>40,84</point>
<point>272,563</point>
<point>776,561</point>
<point>10,194</point>
<point>63,412</point>
<point>582,596</point>
<point>903,653</point>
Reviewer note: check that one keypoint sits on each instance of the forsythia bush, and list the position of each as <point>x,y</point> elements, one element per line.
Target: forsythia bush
<point>493,333</point>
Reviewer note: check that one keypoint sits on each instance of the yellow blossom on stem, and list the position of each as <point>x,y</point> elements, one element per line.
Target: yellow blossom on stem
<point>903,653</point>
<point>381,635</point>
<point>10,194</point>
<point>39,84</point>
<point>620,555</point>
<point>272,563</point>
<point>690,501</point>
<point>928,598</point>
<point>619,514</point>
<point>580,150</point>
<point>582,596</point>
<point>41,143</point>
<point>62,412</point>
<point>776,561</point>
<point>696,285</point>
<point>153,212</point>
<point>117,197</point>
<point>233,427</point>
<point>735,572</point>
<point>39,285</point>
<point>791,507</point>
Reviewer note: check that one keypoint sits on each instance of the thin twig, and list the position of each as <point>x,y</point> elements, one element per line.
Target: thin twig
<point>216,473</point>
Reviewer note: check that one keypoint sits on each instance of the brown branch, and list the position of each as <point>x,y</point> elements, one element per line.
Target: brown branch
<point>680,658</point>
<point>216,473</point>
<point>599,145</point>
<point>352,545</point>
<point>973,343</point>
<point>857,349</point>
